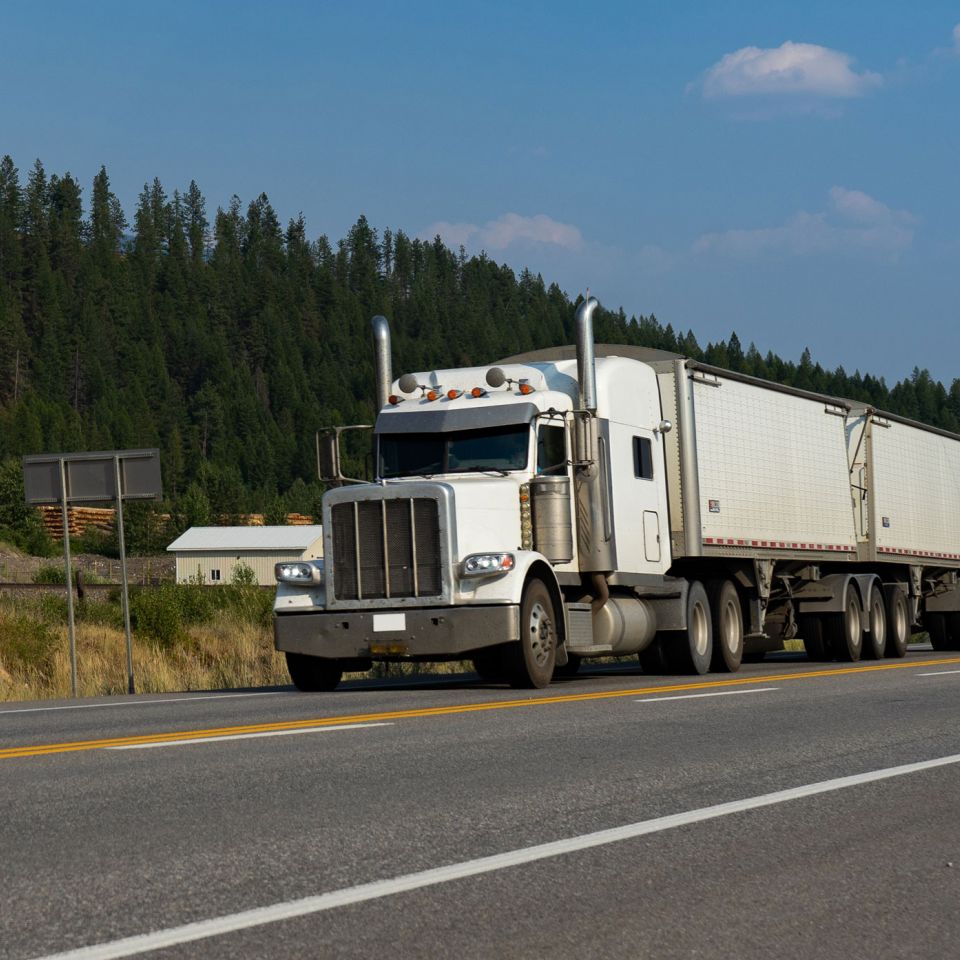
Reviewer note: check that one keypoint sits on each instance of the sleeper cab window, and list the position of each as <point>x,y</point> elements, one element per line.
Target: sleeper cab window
<point>642,458</point>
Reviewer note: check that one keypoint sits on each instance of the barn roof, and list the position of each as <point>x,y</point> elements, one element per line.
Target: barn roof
<point>230,539</point>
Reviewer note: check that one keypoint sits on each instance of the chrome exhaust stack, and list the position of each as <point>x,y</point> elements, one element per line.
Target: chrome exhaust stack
<point>594,520</point>
<point>384,365</point>
<point>586,364</point>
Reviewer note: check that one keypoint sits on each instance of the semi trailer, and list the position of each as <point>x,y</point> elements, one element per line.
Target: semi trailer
<point>611,501</point>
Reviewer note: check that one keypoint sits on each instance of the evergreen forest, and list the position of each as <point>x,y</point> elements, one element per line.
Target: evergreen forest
<point>227,338</point>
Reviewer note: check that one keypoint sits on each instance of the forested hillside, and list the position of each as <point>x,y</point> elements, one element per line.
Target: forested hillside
<point>228,338</point>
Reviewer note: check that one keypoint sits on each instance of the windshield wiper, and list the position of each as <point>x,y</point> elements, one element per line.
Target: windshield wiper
<point>476,468</point>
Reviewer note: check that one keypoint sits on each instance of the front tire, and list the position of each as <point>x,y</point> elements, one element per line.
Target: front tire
<point>690,651</point>
<point>313,674</point>
<point>532,660</point>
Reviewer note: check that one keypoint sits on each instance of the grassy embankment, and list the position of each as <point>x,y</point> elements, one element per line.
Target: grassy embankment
<point>185,637</point>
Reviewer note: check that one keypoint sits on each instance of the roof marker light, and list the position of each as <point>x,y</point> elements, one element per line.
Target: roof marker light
<point>453,394</point>
<point>525,388</point>
<point>478,392</point>
<point>432,395</point>
<point>393,399</point>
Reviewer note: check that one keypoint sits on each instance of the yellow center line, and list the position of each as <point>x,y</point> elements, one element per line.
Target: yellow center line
<point>37,750</point>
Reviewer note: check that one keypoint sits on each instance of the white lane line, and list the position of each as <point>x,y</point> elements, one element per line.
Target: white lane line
<point>145,703</point>
<point>246,736</point>
<point>936,673</point>
<point>695,696</point>
<point>277,912</point>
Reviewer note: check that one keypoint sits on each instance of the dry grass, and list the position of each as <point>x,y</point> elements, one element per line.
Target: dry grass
<point>225,653</point>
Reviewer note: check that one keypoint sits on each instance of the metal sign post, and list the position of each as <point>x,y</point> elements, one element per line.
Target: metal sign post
<point>114,475</point>
<point>68,580</point>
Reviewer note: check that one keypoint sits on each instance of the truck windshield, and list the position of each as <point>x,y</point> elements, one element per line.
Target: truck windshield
<point>461,451</point>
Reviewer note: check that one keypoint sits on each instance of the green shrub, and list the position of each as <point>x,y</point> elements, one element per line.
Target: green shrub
<point>28,643</point>
<point>163,613</point>
<point>51,573</point>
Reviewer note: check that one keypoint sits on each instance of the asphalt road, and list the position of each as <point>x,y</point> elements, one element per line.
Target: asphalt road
<point>409,821</point>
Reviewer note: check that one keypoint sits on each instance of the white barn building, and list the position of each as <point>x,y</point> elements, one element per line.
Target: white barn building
<point>213,553</point>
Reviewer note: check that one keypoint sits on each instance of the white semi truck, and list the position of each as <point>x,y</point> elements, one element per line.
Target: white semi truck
<point>611,501</point>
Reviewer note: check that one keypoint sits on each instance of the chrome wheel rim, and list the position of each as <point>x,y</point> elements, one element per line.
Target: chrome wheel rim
<point>698,630</point>
<point>541,633</point>
<point>730,625</point>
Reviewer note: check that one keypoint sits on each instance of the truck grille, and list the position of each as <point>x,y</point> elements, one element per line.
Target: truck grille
<point>386,548</point>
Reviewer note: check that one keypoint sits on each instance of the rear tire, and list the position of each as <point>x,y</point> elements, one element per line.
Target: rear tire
<point>875,640</point>
<point>898,620</point>
<point>690,651</point>
<point>652,661</point>
<point>313,674</point>
<point>944,630</point>
<point>727,626</point>
<point>843,632</point>
<point>811,632</point>
<point>532,660</point>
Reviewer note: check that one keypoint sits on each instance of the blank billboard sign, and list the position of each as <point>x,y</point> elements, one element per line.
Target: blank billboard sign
<point>91,477</point>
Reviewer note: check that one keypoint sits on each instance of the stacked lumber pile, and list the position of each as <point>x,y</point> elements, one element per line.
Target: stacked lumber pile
<point>79,520</point>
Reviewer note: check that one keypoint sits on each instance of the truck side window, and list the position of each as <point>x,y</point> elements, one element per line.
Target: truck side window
<point>551,449</point>
<point>642,458</point>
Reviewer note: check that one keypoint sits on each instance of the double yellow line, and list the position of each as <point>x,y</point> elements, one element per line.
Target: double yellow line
<point>46,749</point>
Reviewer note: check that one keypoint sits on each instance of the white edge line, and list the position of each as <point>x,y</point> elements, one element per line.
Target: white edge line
<point>245,736</point>
<point>145,703</point>
<point>231,923</point>
<point>936,673</point>
<point>695,696</point>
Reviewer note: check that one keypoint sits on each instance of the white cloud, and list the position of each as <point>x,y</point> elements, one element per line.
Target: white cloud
<point>853,222</point>
<point>791,68</point>
<point>507,231</point>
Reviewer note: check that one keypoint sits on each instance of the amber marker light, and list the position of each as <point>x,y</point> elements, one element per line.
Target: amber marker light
<point>393,399</point>
<point>453,394</point>
<point>432,395</point>
<point>525,388</point>
<point>478,392</point>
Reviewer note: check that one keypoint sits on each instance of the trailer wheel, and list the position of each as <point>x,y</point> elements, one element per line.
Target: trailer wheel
<point>898,620</point>
<point>691,650</point>
<point>843,632</point>
<point>532,659</point>
<point>313,674</point>
<point>936,624</point>
<point>875,641</point>
<point>811,632</point>
<point>727,626</point>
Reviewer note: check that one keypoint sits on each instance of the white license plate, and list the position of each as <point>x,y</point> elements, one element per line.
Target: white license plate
<point>389,621</point>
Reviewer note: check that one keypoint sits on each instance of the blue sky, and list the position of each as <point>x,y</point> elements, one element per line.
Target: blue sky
<point>785,170</point>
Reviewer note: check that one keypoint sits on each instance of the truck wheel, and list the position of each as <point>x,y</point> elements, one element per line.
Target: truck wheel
<point>811,632</point>
<point>313,674</point>
<point>727,626</point>
<point>571,668</point>
<point>898,620</point>
<point>652,660</point>
<point>532,659</point>
<point>936,624</point>
<point>875,642</point>
<point>843,632</point>
<point>691,650</point>
<point>488,664</point>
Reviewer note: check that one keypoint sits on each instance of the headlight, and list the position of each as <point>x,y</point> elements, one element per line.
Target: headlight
<point>296,571</point>
<point>485,564</point>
